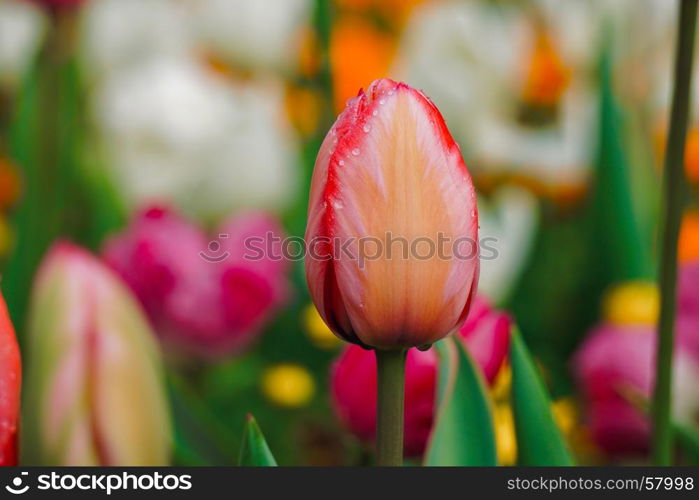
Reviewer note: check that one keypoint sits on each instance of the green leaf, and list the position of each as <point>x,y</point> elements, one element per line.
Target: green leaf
<point>688,440</point>
<point>254,451</point>
<point>463,432</point>
<point>199,437</point>
<point>539,441</point>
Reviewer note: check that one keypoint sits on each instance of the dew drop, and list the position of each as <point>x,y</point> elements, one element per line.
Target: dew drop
<point>338,205</point>
<point>473,213</point>
<point>374,112</point>
<point>382,101</point>
<point>342,162</point>
<point>390,92</point>
<point>367,128</point>
<point>356,151</point>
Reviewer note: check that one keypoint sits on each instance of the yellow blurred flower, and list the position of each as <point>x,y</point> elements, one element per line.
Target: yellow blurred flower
<point>505,437</point>
<point>316,329</point>
<point>303,107</point>
<point>565,414</point>
<point>503,383</point>
<point>288,385</point>
<point>359,53</point>
<point>689,234</point>
<point>635,302</point>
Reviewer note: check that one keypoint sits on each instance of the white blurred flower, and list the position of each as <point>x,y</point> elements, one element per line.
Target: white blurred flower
<point>685,404</point>
<point>21,30</point>
<point>508,224</point>
<point>487,65</point>
<point>118,33</point>
<point>177,132</point>
<point>264,34</point>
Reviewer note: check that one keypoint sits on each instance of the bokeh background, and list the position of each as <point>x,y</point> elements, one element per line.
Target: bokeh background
<point>150,131</point>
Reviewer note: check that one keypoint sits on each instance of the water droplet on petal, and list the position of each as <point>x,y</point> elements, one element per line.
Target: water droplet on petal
<point>338,205</point>
<point>367,128</point>
<point>374,112</point>
<point>342,162</point>
<point>382,101</point>
<point>473,213</point>
<point>355,151</point>
<point>390,92</point>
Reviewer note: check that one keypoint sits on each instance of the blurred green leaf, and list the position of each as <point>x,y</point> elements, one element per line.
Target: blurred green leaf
<point>539,441</point>
<point>254,451</point>
<point>618,224</point>
<point>688,440</point>
<point>463,433</point>
<point>66,191</point>
<point>200,439</point>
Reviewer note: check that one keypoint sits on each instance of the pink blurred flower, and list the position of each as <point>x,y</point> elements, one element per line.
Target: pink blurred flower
<point>618,359</point>
<point>95,393</point>
<point>688,289</point>
<point>203,296</point>
<point>486,335</point>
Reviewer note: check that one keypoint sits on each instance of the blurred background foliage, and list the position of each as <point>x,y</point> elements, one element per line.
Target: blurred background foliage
<point>214,108</point>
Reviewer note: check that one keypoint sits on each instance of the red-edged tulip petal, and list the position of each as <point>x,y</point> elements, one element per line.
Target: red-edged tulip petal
<point>10,382</point>
<point>389,169</point>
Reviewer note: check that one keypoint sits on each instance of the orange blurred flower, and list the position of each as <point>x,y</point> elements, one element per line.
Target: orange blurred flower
<point>691,155</point>
<point>689,237</point>
<point>10,184</point>
<point>691,150</point>
<point>547,76</point>
<point>359,54</point>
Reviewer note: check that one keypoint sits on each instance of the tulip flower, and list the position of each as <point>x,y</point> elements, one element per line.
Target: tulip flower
<point>388,167</point>
<point>204,297</point>
<point>95,394</point>
<point>486,335</point>
<point>10,382</point>
<point>389,172</point>
<point>617,360</point>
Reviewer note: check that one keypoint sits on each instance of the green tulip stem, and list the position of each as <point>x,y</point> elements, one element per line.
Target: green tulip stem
<point>675,199</point>
<point>389,409</point>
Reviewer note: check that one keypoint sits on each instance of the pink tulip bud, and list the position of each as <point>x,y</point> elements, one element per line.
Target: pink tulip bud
<point>486,334</point>
<point>208,297</point>
<point>616,361</point>
<point>10,382</point>
<point>95,391</point>
<point>392,236</point>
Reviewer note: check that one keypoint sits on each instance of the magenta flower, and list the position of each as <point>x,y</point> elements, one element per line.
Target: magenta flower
<point>617,359</point>
<point>486,334</point>
<point>205,297</point>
